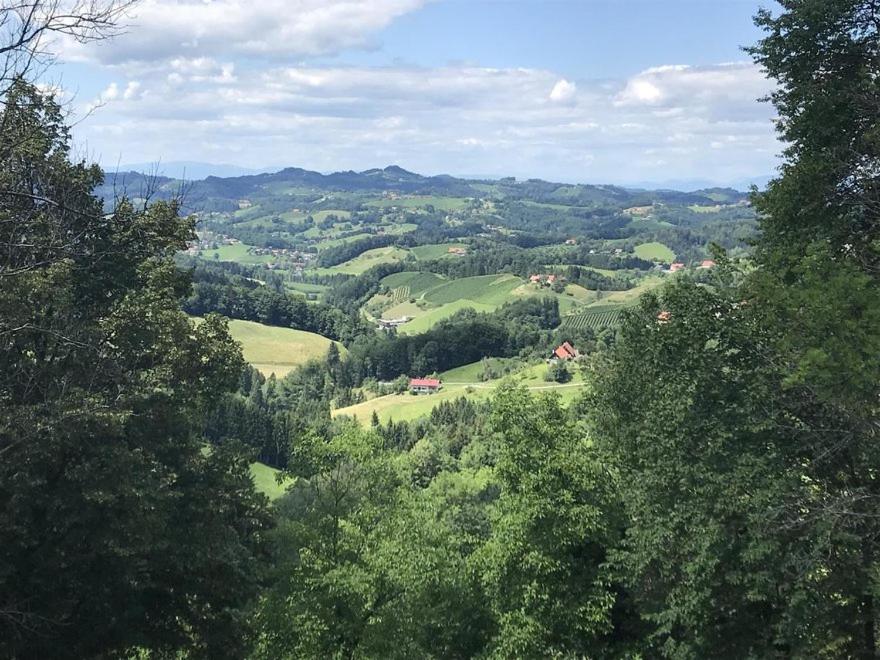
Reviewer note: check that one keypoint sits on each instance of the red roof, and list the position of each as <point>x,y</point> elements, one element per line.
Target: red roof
<point>566,351</point>
<point>424,382</point>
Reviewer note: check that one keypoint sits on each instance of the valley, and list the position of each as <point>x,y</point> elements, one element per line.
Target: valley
<point>401,253</point>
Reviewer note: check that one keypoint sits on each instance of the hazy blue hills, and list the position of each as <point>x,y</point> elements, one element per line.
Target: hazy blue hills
<point>226,193</point>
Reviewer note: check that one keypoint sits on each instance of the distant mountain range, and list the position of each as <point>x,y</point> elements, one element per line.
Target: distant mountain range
<point>188,170</point>
<point>214,193</point>
<point>196,171</point>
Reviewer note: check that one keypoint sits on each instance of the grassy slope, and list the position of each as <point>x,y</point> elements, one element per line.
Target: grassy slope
<point>334,242</point>
<point>470,373</point>
<point>482,293</point>
<point>655,252</point>
<point>629,296</point>
<point>435,251</point>
<point>428,319</point>
<point>406,407</point>
<point>264,481</point>
<point>272,349</point>
<point>263,476</point>
<point>417,282</point>
<point>237,253</point>
<point>365,261</point>
<point>487,289</point>
<point>322,215</point>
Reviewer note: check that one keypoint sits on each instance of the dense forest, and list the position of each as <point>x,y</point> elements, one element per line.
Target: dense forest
<point>714,493</point>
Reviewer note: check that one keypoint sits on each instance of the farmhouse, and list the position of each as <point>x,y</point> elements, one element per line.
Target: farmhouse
<point>564,352</point>
<point>677,266</point>
<point>424,385</point>
<point>387,324</point>
<point>543,279</point>
<point>707,263</point>
<point>457,251</point>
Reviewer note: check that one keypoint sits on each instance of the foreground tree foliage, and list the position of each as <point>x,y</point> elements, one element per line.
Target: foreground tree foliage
<point>715,495</point>
<point>366,565</point>
<point>118,532</point>
<point>744,420</point>
<point>545,567</point>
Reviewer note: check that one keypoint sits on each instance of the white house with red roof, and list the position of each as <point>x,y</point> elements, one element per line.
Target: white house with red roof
<point>425,385</point>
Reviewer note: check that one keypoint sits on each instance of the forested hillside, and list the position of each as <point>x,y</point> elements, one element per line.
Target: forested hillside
<point>382,415</point>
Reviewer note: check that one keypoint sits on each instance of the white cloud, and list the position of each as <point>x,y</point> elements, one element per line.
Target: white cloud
<point>682,85</point>
<point>640,91</point>
<point>459,119</point>
<point>563,91</point>
<point>161,29</point>
<point>131,90</point>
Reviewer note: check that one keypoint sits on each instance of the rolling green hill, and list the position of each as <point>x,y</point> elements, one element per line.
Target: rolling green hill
<point>427,319</point>
<point>487,289</point>
<point>407,407</point>
<point>365,261</point>
<point>416,282</point>
<point>277,350</point>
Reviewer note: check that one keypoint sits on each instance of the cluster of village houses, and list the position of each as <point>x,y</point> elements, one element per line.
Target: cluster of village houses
<point>294,260</point>
<point>678,266</point>
<point>544,279</point>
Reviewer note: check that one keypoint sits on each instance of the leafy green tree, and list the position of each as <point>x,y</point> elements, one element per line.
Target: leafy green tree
<point>686,413</point>
<point>544,567</point>
<point>325,594</point>
<point>737,545</point>
<point>118,532</point>
<point>558,372</point>
<point>819,281</point>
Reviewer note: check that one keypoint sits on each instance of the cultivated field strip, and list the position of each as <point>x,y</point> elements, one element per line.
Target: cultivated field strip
<point>595,319</point>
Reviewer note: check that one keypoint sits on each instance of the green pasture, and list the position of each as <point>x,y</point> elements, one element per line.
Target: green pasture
<point>365,261</point>
<point>271,349</point>
<point>655,252</point>
<point>436,251</point>
<point>407,407</point>
<point>237,253</point>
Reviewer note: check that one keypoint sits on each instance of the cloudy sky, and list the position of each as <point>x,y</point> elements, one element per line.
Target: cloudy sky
<point>602,91</point>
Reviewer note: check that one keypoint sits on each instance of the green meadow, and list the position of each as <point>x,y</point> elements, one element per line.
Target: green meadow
<point>271,349</point>
<point>655,252</point>
<point>408,407</point>
<point>365,261</point>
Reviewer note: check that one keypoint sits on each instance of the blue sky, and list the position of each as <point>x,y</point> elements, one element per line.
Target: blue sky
<point>595,38</point>
<point>603,91</point>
